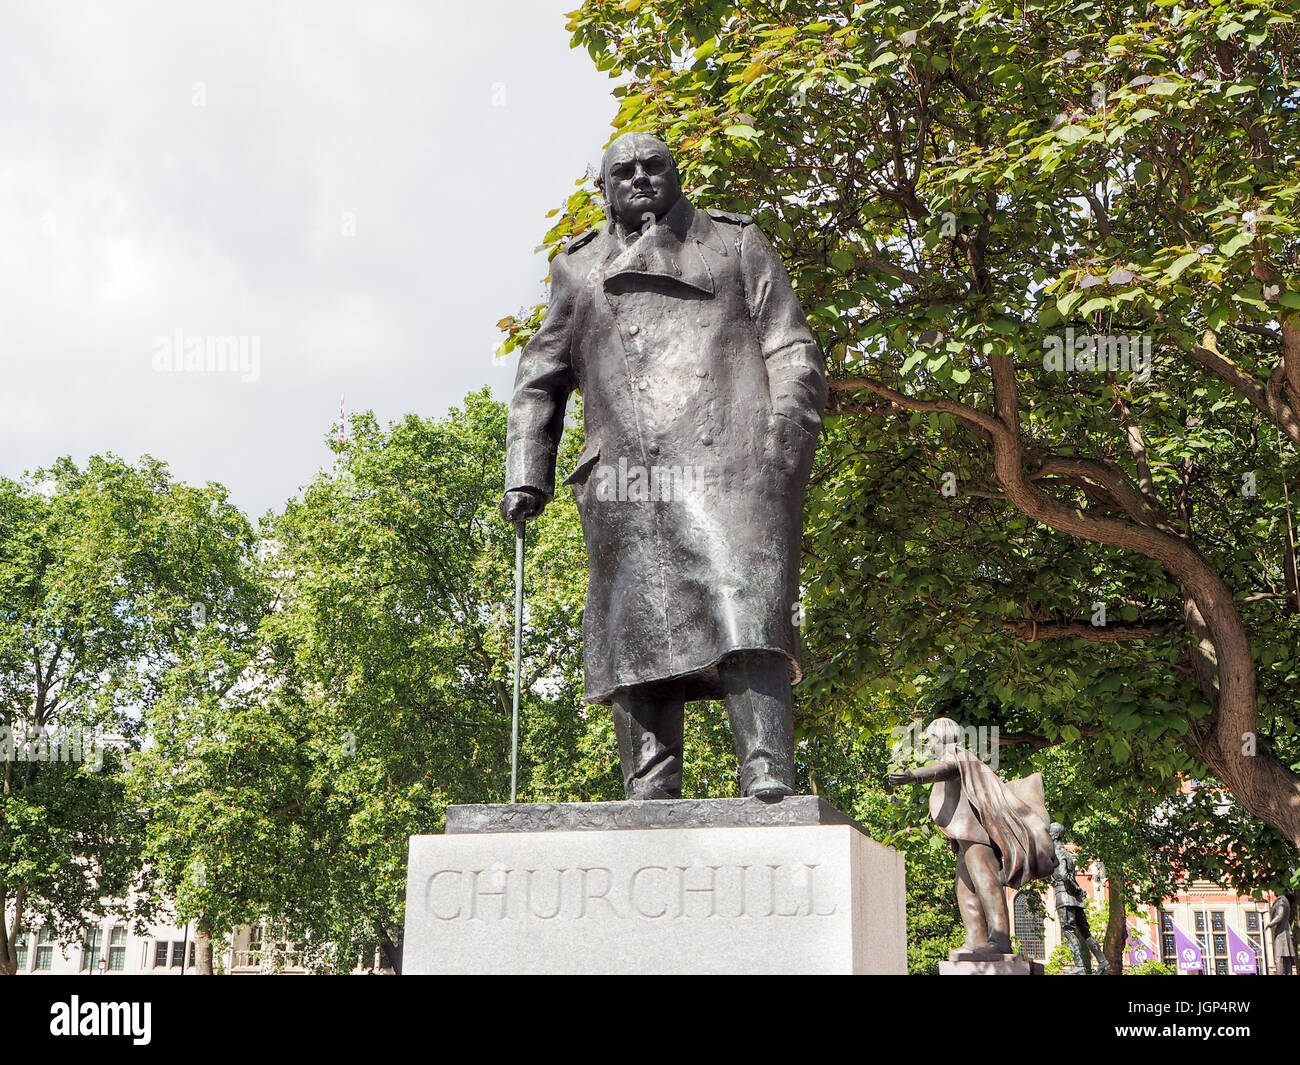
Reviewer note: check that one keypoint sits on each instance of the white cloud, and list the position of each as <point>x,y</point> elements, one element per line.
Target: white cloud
<point>129,213</point>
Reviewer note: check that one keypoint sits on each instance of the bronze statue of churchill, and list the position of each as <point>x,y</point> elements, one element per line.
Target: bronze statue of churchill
<point>702,391</point>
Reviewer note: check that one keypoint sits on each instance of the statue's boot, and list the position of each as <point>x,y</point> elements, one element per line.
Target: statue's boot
<point>1000,944</point>
<point>648,722</point>
<point>756,687</point>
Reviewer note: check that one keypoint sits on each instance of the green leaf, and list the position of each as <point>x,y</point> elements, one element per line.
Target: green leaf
<point>1180,264</point>
<point>1235,244</point>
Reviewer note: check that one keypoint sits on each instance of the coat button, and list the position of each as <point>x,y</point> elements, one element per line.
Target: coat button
<point>700,371</point>
<point>706,440</point>
<point>653,449</point>
<point>632,330</point>
<point>703,323</point>
<point>641,384</point>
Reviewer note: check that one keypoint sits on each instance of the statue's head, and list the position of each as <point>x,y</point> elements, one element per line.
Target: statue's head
<point>1057,830</point>
<point>942,732</point>
<point>638,177</point>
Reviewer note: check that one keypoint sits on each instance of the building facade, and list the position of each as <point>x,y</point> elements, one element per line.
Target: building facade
<point>110,945</point>
<point>1204,911</point>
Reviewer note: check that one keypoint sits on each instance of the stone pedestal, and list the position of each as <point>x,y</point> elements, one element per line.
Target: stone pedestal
<point>669,886</point>
<point>969,963</point>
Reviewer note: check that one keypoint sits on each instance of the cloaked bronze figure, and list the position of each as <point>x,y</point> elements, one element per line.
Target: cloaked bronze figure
<point>702,391</point>
<point>999,830</point>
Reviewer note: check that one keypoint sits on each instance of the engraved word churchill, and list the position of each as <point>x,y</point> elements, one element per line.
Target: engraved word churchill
<point>652,892</point>
<point>682,332</point>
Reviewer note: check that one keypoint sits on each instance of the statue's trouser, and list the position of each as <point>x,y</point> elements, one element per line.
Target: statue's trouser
<point>756,686</point>
<point>1078,936</point>
<point>1072,936</point>
<point>980,899</point>
<point>1099,954</point>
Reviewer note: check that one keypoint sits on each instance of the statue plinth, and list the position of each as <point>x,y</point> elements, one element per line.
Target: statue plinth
<point>665,886</point>
<point>988,963</point>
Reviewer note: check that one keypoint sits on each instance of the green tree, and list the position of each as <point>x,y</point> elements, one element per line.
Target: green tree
<point>106,571</point>
<point>395,582</point>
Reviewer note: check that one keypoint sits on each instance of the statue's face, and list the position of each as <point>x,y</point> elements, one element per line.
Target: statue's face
<point>640,179</point>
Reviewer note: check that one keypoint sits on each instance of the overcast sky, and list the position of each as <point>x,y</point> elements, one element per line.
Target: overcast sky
<point>357,188</point>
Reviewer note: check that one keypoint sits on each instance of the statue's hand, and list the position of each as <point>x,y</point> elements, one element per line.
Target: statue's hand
<point>900,776</point>
<point>786,444</point>
<point>522,504</point>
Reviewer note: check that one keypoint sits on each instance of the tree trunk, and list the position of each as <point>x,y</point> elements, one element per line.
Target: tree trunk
<point>392,952</point>
<point>202,947</point>
<point>1116,924</point>
<point>9,936</point>
<point>8,949</point>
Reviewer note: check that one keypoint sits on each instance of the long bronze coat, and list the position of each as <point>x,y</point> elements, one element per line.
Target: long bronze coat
<point>702,396</point>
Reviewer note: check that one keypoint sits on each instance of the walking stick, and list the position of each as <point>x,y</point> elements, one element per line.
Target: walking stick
<point>519,640</point>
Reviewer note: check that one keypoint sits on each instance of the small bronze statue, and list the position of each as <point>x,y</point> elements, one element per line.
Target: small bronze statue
<point>1279,923</point>
<point>998,830</point>
<point>703,390</point>
<point>1070,912</point>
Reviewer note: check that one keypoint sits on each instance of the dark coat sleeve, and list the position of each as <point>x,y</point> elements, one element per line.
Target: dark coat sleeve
<point>543,383</point>
<point>795,370</point>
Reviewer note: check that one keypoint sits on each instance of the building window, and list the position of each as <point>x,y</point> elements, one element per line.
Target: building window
<point>1217,922</point>
<point>178,954</point>
<point>91,949</point>
<point>20,950</point>
<point>160,954</point>
<point>1170,947</point>
<point>45,949</point>
<point>117,950</point>
<point>1220,944</point>
<point>1029,930</point>
<point>1166,921</point>
<point>1221,967</point>
<point>1252,920</point>
<point>1200,920</point>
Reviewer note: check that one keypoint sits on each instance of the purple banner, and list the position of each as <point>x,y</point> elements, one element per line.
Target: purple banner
<point>1139,950</point>
<point>1241,956</point>
<point>1189,954</point>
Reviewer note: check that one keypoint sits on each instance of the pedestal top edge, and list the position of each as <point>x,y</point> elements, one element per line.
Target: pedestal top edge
<point>793,810</point>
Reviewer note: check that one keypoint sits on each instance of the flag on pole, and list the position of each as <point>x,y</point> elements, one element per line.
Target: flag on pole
<point>1139,950</point>
<point>1241,956</point>
<point>1189,952</point>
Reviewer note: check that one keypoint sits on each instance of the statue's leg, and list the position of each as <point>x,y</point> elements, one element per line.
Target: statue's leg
<point>756,687</point>
<point>1071,937</point>
<point>1103,966</point>
<point>985,877</point>
<point>648,722</point>
<point>968,904</point>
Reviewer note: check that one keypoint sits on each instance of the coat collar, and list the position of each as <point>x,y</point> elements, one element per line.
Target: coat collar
<point>669,249</point>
